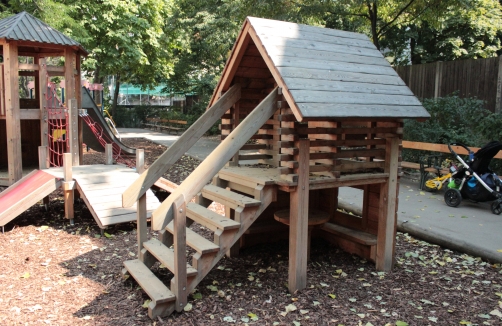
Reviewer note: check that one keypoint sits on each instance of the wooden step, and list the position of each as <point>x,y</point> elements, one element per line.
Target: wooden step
<point>197,242</point>
<point>210,219</point>
<point>154,287</point>
<point>228,198</point>
<point>165,255</point>
<point>350,234</point>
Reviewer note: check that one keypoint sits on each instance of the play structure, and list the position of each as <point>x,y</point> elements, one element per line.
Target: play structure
<point>44,135</point>
<point>318,108</point>
<point>321,109</point>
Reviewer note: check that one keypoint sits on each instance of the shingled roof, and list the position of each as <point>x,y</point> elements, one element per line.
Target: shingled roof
<point>325,73</point>
<point>25,27</point>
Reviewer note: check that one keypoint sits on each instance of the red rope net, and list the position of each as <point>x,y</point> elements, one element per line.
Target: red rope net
<point>57,118</point>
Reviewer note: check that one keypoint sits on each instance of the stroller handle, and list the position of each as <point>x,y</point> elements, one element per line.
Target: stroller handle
<point>471,153</point>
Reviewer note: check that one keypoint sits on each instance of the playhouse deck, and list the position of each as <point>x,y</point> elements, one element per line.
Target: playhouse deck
<point>101,188</point>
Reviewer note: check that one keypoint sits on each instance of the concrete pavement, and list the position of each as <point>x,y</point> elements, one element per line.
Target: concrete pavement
<point>469,228</point>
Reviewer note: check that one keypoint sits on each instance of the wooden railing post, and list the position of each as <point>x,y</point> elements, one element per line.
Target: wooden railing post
<point>68,186</point>
<point>43,157</point>
<point>179,287</point>
<point>141,211</point>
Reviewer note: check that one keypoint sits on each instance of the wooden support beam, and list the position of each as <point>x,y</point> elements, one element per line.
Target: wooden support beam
<point>43,157</point>
<point>298,228</point>
<point>217,159</point>
<point>387,223</point>
<point>176,150</point>
<point>72,130</point>
<point>70,64</point>
<point>42,92</point>
<point>12,122</point>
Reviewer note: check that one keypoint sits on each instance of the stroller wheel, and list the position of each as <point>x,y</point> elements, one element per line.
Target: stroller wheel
<point>452,197</point>
<point>496,207</point>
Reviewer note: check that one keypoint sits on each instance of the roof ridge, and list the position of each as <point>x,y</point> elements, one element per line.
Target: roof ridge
<point>16,21</point>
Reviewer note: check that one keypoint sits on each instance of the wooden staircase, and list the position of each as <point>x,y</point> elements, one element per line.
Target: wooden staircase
<point>207,253</point>
<point>170,218</point>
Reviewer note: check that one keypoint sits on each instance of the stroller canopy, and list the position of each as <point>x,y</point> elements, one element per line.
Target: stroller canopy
<point>484,155</point>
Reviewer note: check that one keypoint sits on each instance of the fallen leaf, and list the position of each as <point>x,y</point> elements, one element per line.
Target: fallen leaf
<point>197,296</point>
<point>332,296</point>
<point>188,307</point>
<point>107,235</point>
<point>228,319</point>
<point>303,312</point>
<point>253,317</point>
<point>496,312</point>
<point>401,323</point>
<point>25,275</point>
<point>146,303</point>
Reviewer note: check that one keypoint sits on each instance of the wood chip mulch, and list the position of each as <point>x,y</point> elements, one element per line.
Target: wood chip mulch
<point>52,273</point>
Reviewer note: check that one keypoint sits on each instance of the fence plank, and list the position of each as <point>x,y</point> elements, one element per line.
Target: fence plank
<point>481,78</point>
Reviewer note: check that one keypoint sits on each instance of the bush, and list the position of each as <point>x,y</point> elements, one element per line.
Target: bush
<point>453,119</point>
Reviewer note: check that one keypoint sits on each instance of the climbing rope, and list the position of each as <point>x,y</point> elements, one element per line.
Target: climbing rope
<point>57,118</point>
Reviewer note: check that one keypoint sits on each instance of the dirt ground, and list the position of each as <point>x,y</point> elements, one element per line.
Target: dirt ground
<point>52,273</point>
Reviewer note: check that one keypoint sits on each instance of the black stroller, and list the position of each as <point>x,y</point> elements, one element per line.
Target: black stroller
<point>474,179</point>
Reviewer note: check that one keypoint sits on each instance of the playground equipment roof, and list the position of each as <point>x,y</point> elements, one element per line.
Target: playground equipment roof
<point>323,73</point>
<point>25,27</point>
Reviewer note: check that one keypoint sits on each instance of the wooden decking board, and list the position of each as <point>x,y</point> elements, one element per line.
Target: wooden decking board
<point>165,255</point>
<point>197,242</point>
<point>154,287</point>
<point>209,218</point>
<point>102,187</point>
<point>227,197</point>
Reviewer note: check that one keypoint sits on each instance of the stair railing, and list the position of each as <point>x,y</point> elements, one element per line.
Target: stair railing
<point>194,183</point>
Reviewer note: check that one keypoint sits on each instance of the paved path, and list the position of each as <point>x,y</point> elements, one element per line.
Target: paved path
<point>469,228</point>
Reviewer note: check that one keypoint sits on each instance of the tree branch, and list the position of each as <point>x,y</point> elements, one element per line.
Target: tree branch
<point>396,17</point>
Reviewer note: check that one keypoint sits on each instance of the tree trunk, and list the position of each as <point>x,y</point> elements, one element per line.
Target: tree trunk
<point>116,94</point>
<point>373,14</point>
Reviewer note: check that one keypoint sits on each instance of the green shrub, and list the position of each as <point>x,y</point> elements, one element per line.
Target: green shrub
<point>454,119</point>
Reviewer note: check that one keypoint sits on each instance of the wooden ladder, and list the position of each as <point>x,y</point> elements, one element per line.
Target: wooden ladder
<point>246,209</point>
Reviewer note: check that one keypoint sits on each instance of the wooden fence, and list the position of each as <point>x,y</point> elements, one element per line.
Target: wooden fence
<point>481,78</point>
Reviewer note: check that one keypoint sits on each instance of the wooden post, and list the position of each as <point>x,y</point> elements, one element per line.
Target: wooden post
<point>386,236</point>
<point>70,64</point>
<point>108,154</point>
<point>42,91</point>
<point>236,118</point>
<point>44,163</point>
<point>498,98</point>
<point>68,186</point>
<point>179,288</point>
<point>298,228</point>
<point>72,131</point>
<point>12,111</point>
<point>141,223</point>
<point>140,160</point>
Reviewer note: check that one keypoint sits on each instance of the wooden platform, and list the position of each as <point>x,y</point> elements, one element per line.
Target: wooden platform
<point>101,188</point>
<point>268,176</point>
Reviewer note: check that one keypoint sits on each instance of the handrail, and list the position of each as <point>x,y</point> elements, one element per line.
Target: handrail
<point>440,148</point>
<point>183,144</point>
<point>194,183</point>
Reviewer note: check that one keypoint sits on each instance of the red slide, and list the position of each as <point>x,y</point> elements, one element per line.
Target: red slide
<point>26,193</point>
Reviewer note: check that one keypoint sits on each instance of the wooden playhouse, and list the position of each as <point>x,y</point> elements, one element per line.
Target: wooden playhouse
<point>27,123</point>
<point>304,110</point>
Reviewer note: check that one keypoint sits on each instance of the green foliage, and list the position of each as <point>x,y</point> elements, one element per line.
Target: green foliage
<point>453,119</point>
